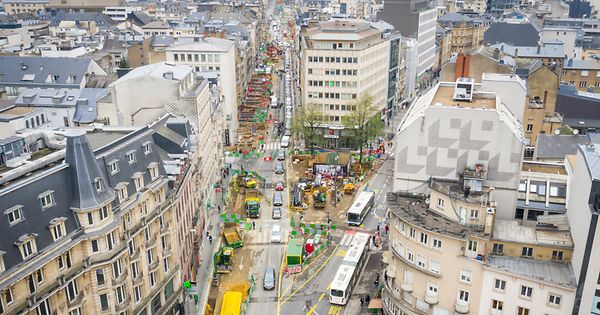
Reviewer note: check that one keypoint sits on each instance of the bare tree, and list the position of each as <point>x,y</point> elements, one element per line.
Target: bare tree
<point>307,122</point>
<point>364,122</point>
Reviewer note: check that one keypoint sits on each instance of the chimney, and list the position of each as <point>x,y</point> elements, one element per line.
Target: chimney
<point>570,63</point>
<point>516,52</point>
<point>467,66</point>
<point>496,54</point>
<point>539,49</point>
<point>458,69</point>
<point>168,75</point>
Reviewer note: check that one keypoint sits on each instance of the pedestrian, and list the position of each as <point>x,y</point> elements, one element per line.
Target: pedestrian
<point>219,208</point>
<point>377,277</point>
<point>253,225</point>
<point>378,227</point>
<point>210,239</point>
<point>368,300</point>
<point>362,302</point>
<point>207,234</point>
<point>376,284</point>
<point>387,229</point>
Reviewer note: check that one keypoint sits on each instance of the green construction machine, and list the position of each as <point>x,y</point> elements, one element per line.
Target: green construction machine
<point>319,199</point>
<point>252,204</point>
<point>223,260</point>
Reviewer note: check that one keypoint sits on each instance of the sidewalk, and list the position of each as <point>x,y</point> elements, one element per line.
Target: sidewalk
<point>207,250</point>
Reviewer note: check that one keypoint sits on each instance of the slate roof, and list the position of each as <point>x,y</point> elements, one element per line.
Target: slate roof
<point>577,105</point>
<point>35,71</point>
<point>587,64</point>
<point>556,272</point>
<point>156,70</point>
<point>548,51</point>
<point>162,41</point>
<point>139,18</point>
<point>513,34</point>
<point>558,146</point>
<point>103,21</point>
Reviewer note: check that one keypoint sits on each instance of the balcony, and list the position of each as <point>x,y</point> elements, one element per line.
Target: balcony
<point>390,296</point>
<point>536,104</point>
<point>121,278</point>
<point>411,264</point>
<point>432,298</point>
<point>77,301</point>
<point>139,279</point>
<point>96,258</point>
<point>154,265</point>
<point>407,287</point>
<point>167,250</point>
<point>151,242</point>
<point>461,306</point>
<point>164,229</point>
<point>123,306</point>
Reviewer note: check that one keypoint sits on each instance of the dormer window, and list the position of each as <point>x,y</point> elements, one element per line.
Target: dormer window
<point>72,78</point>
<point>14,214</point>
<point>113,167</point>
<point>122,191</point>
<point>47,199</point>
<point>27,245</point>
<point>153,168</point>
<point>147,148</point>
<point>104,212</point>
<point>138,179</point>
<point>98,184</point>
<point>57,228</point>
<point>131,157</point>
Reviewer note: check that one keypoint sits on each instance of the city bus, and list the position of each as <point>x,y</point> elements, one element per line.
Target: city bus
<point>232,303</point>
<point>349,270</point>
<point>361,206</point>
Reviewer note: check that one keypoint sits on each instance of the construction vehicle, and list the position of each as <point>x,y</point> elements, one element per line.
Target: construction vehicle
<point>319,199</point>
<point>232,237</point>
<point>232,303</point>
<point>250,182</point>
<point>252,204</point>
<point>224,260</point>
<point>349,187</point>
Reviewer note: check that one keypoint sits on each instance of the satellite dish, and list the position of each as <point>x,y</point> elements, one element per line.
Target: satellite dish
<point>575,131</point>
<point>557,132</point>
<point>427,201</point>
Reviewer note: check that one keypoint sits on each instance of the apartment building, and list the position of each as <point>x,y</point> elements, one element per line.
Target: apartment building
<point>583,74</point>
<point>120,13</point>
<point>150,50</point>
<point>584,208</point>
<point>542,190</point>
<point>341,61</point>
<point>437,247</point>
<point>23,6</point>
<point>456,125</point>
<point>527,269</point>
<point>162,28</point>
<point>107,241</point>
<point>83,5</point>
<point>351,8</point>
<point>467,32</point>
<point>218,55</point>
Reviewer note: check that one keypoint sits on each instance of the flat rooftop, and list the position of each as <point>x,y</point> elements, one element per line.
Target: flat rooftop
<point>445,93</point>
<point>18,111</point>
<point>513,231</point>
<point>537,167</point>
<point>414,210</point>
<point>556,272</point>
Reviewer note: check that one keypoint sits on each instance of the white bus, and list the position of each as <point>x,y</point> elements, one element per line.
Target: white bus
<point>349,271</point>
<point>361,206</point>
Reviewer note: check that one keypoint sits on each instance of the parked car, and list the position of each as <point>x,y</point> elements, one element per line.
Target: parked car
<point>281,155</point>
<point>279,186</point>
<point>276,213</point>
<point>269,279</point>
<point>276,234</point>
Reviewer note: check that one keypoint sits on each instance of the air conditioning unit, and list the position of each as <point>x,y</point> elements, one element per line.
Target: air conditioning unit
<point>490,211</point>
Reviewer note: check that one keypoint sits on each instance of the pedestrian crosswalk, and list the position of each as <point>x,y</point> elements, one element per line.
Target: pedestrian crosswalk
<point>272,145</point>
<point>346,239</point>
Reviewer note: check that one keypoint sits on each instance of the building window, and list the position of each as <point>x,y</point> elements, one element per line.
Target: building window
<point>153,279</point>
<point>557,255</point>
<point>437,244</point>
<point>409,255</point>
<point>584,73</point>
<point>58,230</point>
<point>499,284</point>
<point>103,212</point>
<point>47,199</point>
<point>423,238</point>
<point>527,252</point>
<point>71,290</point>
<point>150,256</point>
<point>526,291</point>
<point>131,157</point>
<point>472,246</point>
<point>28,246</point>
<point>522,186</point>
<point>166,264</point>
<point>474,214</point>
<point>104,302</point>
<point>7,296</point>
<point>529,127</point>
<point>554,299</point>
<point>131,247</point>
<point>113,167</point>
<point>582,84</point>
<point>98,184</point>
<point>100,276</point>
<point>465,275</point>
<point>39,276</point>
<point>90,217</point>
<point>134,269</point>
<point>440,202</point>
<point>147,233</point>
<point>420,261</point>
<point>522,311</point>
<point>14,214</point>
<point>147,148</point>
<point>120,294</point>
<point>153,172</point>
<point>498,249</point>
<point>434,266</point>
<point>463,295</point>
<point>116,268</point>
<point>110,240</point>
<point>76,311</point>
<point>413,233</point>
<point>138,294</point>
<point>44,308</point>
<point>497,305</point>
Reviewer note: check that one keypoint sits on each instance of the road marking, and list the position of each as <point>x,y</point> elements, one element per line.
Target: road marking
<point>242,263</point>
<point>303,269</point>
<point>341,252</point>
<point>310,278</point>
<point>279,282</point>
<point>321,297</point>
<point>335,310</point>
<point>312,309</point>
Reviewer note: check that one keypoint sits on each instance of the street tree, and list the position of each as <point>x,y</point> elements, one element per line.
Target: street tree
<point>307,123</point>
<point>363,122</point>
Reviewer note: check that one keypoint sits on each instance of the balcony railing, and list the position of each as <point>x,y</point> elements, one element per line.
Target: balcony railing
<point>123,306</point>
<point>461,306</point>
<point>121,278</point>
<point>107,255</point>
<point>77,301</point>
<point>536,104</point>
<point>154,265</point>
<point>390,295</point>
<point>411,264</point>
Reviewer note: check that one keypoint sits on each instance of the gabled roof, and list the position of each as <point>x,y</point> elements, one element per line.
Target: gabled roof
<point>18,70</point>
<point>513,34</point>
<point>102,20</point>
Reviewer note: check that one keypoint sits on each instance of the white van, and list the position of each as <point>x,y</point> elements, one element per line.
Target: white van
<point>274,102</point>
<point>285,141</point>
